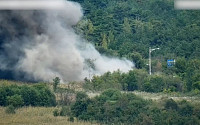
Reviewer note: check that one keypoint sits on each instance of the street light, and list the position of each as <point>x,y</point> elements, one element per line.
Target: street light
<point>151,50</point>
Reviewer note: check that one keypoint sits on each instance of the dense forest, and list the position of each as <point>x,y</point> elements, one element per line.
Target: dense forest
<point>127,28</point>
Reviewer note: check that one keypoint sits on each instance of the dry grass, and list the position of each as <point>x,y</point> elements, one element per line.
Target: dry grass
<point>8,82</point>
<point>35,116</point>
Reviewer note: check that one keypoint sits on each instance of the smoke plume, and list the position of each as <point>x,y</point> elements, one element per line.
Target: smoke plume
<point>41,44</point>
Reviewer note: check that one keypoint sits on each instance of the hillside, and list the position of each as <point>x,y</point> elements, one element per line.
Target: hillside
<point>129,26</point>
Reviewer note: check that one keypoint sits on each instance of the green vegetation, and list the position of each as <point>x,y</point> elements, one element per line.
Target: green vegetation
<point>127,28</point>
<point>124,27</point>
<point>25,95</point>
<point>56,81</point>
<point>136,80</point>
<point>113,107</point>
<point>10,109</point>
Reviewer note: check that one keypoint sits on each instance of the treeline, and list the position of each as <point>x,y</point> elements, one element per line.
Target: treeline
<point>182,77</point>
<point>26,95</point>
<point>135,80</point>
<point>114,107</point>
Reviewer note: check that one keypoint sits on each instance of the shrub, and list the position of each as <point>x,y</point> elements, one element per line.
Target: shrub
<point>196,85</point>
<point>65,111</point>
<point>185,109</point>
<point>30,95</point>
<point>71,119</point>
<point>130,81</point>
<point>156,84</point>
<point>81,96</point>
<point>2,97</point>
<point>171,104</point>
<point>10,109</point>
<point>56,112</point>
<point>35,95</point>
<point>15,100</point>
<point>111,94</point>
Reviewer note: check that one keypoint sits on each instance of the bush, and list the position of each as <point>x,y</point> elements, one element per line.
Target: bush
<point>171,104</point>
<point>111,94</point>
<point>196,85</point>
<point>10,109</point>
<point>56,112</point>
<point>45,96</point>
<point>154,84</point>
<point>185,109</point>
<point>15,100</point>
<point>30,95</point>
<point>2,96</point>
<point>35,95</point>
<point>81,96</point>
<point>65,111</point>
<point>71,119</point>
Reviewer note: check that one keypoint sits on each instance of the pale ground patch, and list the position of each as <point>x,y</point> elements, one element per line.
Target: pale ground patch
<point>156,96</point>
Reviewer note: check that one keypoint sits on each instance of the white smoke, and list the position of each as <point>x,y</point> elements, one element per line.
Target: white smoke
<point>58,51</point>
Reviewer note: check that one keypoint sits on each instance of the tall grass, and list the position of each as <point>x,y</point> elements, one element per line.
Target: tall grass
<point>36,116</point>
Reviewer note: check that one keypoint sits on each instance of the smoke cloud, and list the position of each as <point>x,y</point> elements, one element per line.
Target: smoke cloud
<point>41,44</point>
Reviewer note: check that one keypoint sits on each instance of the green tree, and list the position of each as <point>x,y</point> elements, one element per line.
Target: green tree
<point>137,59</point>
<point>56,81</point>
<point>104,42</point>
<point>180,66</point>
<point>79,108</point>
<point>90,27</point>
<point>131,81</point>
<point>29,95</point>
<point>111,37</point>
<point>157,83</point>
<point>126,26</point>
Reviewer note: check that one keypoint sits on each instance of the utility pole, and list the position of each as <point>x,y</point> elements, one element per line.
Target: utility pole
<point>151,50</point>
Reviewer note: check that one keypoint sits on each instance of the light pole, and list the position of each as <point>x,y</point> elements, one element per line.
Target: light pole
<point>151,50</point>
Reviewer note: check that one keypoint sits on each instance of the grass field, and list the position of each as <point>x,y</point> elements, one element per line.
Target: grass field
<point>35,116</point>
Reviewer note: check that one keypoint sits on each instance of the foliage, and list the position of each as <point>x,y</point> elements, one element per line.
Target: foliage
<point>15,100</point>
<point>127,28</point>
<point>107,80</point>
<point>114,107</point>
<point>186,109</point>
<point>137,79</point>
<point>25,95</point>
<point>71,119</point>
<point>10,109</point>
<point>65,111</point>
<point>56,81</point>
<point>56,112</point>
<point>171,104</point>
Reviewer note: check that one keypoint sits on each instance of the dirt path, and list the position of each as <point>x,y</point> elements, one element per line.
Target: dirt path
<point>155,96</point>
